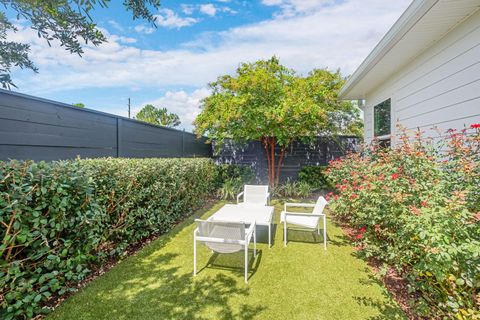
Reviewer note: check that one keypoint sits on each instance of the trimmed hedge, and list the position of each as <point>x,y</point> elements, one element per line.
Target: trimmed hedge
<point>59,218</point>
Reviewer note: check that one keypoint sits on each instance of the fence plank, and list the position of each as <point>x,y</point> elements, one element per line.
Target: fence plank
<point>39,129</point>
<point>297,156</point>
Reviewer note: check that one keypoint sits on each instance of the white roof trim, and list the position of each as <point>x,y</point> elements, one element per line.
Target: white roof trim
<point>407,20</point>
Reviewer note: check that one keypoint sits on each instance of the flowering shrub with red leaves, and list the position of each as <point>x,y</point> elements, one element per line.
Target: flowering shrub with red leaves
<point>417,208</point>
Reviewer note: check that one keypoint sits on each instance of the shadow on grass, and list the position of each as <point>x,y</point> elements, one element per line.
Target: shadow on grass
<point>387,307</point>
<point>262,234</point>
<point>388,310</point>
<point>234,262</point>
<point>306,236</point>
<point>159,291</point>
<point>340,241</point>
<point>154,285</point>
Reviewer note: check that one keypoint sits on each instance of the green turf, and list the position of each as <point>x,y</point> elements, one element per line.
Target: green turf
<point>301,281</point>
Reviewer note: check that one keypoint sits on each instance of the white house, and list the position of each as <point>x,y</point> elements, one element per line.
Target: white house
<point>425,71</point>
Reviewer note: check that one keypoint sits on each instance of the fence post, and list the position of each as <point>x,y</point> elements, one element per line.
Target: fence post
<point>119,137</point>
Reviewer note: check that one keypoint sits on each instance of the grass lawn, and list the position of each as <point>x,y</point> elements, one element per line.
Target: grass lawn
<point>301,281</point>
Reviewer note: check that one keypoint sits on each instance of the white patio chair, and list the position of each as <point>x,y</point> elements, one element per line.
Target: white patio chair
<point>224,237</point>
<point>304,219</point>
<point>254,195</point>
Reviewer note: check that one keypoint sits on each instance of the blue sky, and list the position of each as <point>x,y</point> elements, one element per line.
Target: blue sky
<point>196,41</point>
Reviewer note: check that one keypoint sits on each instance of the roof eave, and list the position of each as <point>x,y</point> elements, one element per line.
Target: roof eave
<point>415,11</point>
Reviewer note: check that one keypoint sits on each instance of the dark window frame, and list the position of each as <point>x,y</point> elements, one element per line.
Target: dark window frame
<point>382,131</point>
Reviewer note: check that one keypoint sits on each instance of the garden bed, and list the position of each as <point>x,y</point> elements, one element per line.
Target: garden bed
<point>416,210</point>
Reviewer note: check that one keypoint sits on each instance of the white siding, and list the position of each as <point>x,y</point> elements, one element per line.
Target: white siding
<point>441,87</point>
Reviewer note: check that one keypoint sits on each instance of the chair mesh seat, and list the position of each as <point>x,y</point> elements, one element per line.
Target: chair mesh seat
<point>255,195</point>
<point>303,221</point>
<point>228,231</point>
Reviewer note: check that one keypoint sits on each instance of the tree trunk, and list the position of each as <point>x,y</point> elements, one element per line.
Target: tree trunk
<point>279,165</point>
<point>267,148</point>
<point>274,164</point>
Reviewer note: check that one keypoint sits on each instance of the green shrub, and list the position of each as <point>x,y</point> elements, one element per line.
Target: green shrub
<point>293,189</point>
<point>315,176</point>
<point>59,218</point>
<point>416,208</point>
<point>229,189</point>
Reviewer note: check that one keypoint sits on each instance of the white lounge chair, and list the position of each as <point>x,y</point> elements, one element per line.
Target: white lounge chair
<point>254,195</point>
<point>304,219</point>
<point>224,237</point>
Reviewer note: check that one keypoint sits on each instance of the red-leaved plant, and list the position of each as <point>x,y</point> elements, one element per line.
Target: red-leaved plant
<point>417,208</point>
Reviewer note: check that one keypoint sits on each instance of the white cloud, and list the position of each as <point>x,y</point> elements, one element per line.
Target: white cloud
<point>123,39</point>
<point>208,9</point>
<point>228,10</point>
<point>142,28</point>
<point>272,2</point>
<point>169,19</point>
<point>337,36</point>
<point>188,9</point>
<point>185,105</point>
<point>116,25</point>
<point>291,8</point>
<point>330,38</point>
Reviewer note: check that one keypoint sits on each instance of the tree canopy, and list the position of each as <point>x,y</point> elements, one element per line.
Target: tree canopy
<point>268,102</point>
<point>160,116</point>
<point>78,105</point>
<point>67,21</point>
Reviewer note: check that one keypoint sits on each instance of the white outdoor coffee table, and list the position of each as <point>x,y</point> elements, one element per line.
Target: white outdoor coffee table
<point>262,215</point>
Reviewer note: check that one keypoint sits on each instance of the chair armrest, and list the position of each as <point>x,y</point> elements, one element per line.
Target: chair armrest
<point>238,196</point>
<point>303,214</point>
<point>294,204</point>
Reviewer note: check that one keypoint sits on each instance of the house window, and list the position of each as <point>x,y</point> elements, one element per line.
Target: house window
<point>382,122</point>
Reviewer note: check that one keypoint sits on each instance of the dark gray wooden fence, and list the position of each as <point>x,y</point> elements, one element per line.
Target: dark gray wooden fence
<point>297,156</point>
<point>40,129</point>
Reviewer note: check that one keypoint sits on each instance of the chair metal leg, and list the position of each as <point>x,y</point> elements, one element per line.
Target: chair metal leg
<point>325,233</point>
<point>285,233</point>
<point>269,235</point>
<point>254,243</point>
<point>246,263</point>
<point>194,255</point>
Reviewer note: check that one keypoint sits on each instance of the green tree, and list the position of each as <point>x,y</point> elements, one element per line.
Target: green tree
<point>159,116</point>
<point>268,102</point>
<point>78,105</point>
<point>66,21</point>
<point>344,116</point>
